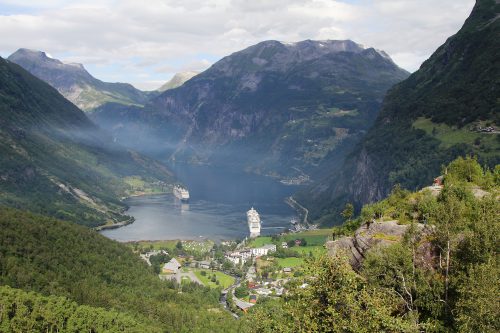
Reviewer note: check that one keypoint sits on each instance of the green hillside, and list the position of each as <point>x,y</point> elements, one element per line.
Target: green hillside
<point>56,162</point>
<point>441,274</point>
<point>22,311</point>
<point>427,120</point>
<point>57,258</point>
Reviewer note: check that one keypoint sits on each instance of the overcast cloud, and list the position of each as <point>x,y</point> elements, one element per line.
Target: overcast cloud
<point>145,45</point>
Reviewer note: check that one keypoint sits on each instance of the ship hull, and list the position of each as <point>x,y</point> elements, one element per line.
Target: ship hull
<point>253,220</point>
<point>181,193</point>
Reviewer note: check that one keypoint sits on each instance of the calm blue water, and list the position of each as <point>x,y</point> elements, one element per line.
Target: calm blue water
<point>217,209</point>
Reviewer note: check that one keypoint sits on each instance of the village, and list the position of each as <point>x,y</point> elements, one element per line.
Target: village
<point>245,272</point>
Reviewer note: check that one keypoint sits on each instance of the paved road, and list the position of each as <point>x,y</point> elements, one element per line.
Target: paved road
<point>190,275</point>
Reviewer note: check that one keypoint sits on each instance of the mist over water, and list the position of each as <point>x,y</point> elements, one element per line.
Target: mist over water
<point>217,209</point>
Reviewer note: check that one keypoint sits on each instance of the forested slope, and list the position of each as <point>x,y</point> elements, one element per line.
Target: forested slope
<point>58,258</point>
<point>55,161</point>
<point>441,275</point>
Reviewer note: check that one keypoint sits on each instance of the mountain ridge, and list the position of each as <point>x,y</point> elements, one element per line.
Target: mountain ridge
<point>75,83</point>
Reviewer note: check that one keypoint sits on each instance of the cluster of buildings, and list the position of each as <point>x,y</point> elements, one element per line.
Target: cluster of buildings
<point>173,266</point>
<point>241,256</point>
<point>272,288</point>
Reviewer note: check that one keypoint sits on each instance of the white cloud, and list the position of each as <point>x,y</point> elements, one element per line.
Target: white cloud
<point>124,40</point>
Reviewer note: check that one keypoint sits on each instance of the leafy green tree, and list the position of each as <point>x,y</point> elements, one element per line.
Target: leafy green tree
<point>241,291</point>
<point>337,299</point>
<point>348,212</point>
<point>464,170</point>
<point>332,297</point>
<point>478,305</point>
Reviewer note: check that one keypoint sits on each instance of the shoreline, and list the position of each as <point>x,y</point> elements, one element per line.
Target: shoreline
<point>143,194</point>
<point>131,219</point>
<point>115,225</point>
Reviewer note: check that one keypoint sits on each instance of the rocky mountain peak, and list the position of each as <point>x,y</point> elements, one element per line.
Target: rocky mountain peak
<point>34,57</point>
<point>74,82</point>
<point>274,55</point>
<point>34,60</point>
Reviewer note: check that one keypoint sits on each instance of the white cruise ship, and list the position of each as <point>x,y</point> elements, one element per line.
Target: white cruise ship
<point>253,220</point>
<point>181,193</point>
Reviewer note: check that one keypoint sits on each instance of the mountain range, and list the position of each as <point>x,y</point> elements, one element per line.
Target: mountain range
<point>55,161</point>
<point>295,111</point>
<point>279,109</point>
<point>448,108</point>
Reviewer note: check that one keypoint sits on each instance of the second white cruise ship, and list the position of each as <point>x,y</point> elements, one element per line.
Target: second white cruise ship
<point>253,220</point>
<point>181,193</point>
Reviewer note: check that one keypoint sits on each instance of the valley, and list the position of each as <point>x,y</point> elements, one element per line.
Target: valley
<point>270,186</point>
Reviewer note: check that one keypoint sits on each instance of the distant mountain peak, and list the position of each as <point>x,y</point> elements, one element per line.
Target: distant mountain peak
<point>74,82</point>
<point>178,80</point>
<point>31,53</point>
<point>33,58</point>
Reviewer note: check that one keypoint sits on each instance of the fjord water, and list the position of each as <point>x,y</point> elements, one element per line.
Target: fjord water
<point>217,210</point>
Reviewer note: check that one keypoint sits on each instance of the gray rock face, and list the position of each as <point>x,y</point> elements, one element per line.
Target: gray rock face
<point>368,237</point>
<point>75,83</point>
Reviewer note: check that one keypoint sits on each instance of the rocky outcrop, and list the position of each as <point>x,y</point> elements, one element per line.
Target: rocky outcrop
<point>367,237</point>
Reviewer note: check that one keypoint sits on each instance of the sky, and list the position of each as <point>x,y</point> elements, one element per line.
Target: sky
<point>146,42</point>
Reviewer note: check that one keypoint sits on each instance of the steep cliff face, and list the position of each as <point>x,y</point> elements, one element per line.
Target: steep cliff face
<point>373,236</point>
<point>274,107</point>
<point>75,83</point>
<point>441,111</point>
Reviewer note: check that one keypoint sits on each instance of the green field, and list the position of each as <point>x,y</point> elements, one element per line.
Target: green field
<point>140,186</point>
<point>290,262</point>
<point>260,241</point>
<point>312,237</point>
<point>156,245</point>
<point>316,237</point>
<point>450,136</point>
<point>224,279</point>
<point>192,247</point>
<point>316,250</point>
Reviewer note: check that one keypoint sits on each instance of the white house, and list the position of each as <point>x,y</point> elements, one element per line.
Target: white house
<point>171,267</point>
<point>263,250</point>
<point>234,258</point>
<point>204,264</point>
<point>239,257</point>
